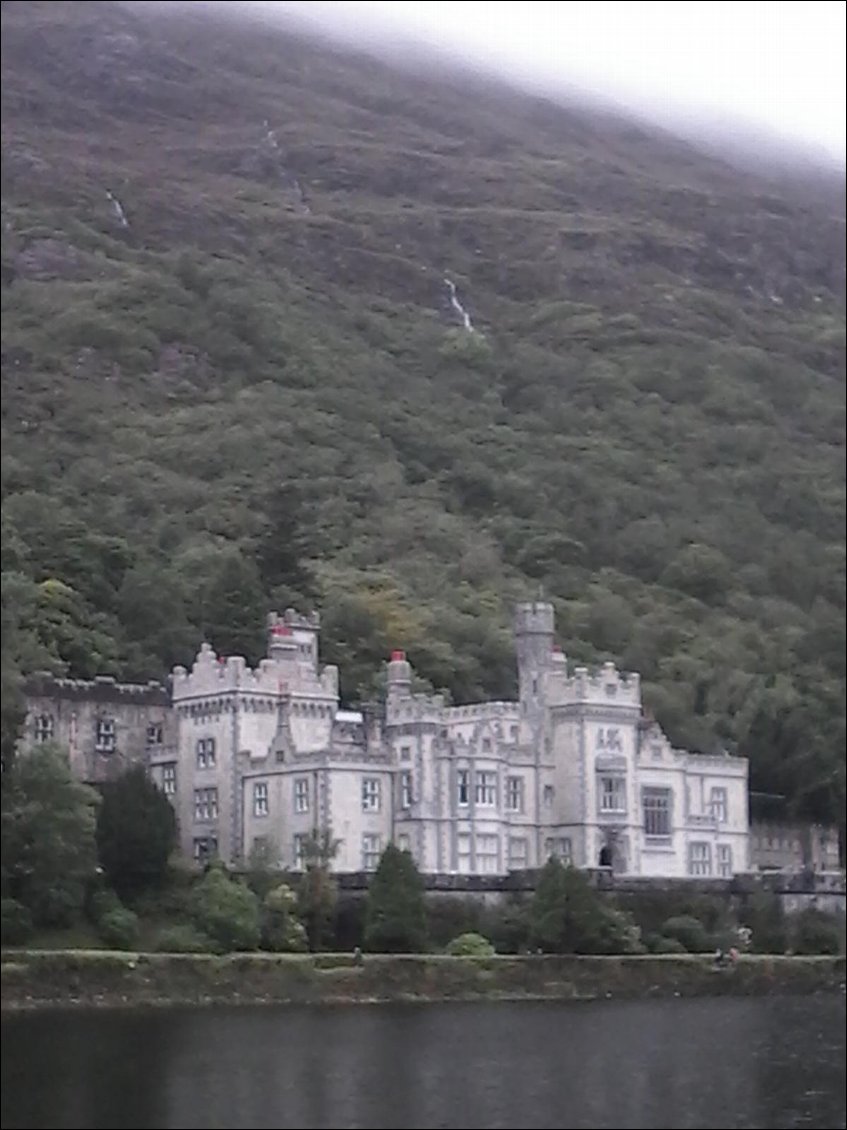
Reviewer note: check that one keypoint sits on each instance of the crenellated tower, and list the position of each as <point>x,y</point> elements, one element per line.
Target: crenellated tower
<point>534,633</point>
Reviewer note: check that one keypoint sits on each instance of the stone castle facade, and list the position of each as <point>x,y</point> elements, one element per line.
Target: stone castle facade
<point>571,768</point>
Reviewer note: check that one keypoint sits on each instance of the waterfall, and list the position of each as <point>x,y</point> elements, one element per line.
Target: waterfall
<point>117,208</point>
<point>458,307</point>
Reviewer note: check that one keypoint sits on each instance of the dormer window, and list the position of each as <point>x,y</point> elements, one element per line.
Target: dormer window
<point>44,728</point>
<point>105,738</point>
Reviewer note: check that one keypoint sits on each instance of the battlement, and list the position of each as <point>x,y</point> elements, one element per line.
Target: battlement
<point>291,618</point>
<point>606,686</point>
<point>482,712</point>
<point>535,617</point>
<point>102,689</point>
<point>213,674</point>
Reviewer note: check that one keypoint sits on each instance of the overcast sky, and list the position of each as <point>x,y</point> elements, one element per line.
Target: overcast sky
<point>777,66</point>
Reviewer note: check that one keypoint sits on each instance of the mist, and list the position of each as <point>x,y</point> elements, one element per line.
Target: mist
<point>759,81</point>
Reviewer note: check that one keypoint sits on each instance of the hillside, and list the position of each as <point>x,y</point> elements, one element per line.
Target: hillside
<point>233,379</point>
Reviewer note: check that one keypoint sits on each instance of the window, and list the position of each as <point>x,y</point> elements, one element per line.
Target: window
<point>405,790</point>
<point>371,794</point>
<point>300,852</point>
<point>513,732</point>
<point>725,861</point>
<point>169,779</point>
<point>699,859</point>
<point>261,806</point>
<point>105,740</point>
<point>301,794</point>
<point>518,853</point>
<point>514,794</point>
<point>486,745</point>
<point>549,793</point>
<point>611,792</point>
<point>44,728</point>
<point>405,753</point>
<point>485,792</point>
<point>558,847</point>
<point>205,804</point>
<point>656,804</point>
<point>718,805</point>
<point>463,787</point>
<point>463,854</point>
<point>487,855</point>
<point>155,733</point>
<point>371,851</point>
<point>206,753</point>
<point>205,848</point>
<point>403,842</point>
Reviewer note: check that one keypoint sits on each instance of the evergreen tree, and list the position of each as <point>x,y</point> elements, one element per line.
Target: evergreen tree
<point>568,916</point>
<point>395,920</point>
<point>317,893</point>
<point>136,832</point>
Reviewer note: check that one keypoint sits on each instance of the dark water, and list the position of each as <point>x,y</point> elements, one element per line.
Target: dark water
<point>766,1063</point>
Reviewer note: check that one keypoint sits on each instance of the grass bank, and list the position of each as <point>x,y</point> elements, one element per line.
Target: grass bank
<point>33,979</point>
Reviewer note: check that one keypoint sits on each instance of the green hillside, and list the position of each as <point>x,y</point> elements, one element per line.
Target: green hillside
<point>240,383</point>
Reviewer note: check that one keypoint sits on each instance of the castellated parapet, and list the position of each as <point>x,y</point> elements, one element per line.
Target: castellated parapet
<point>605,686</point>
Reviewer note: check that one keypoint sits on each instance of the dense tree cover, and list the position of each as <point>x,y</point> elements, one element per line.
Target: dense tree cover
<point>254,395</point>
<point>395,920</point>
<point>136,831</point>
<point>568,916</point>
<point>49,852</point>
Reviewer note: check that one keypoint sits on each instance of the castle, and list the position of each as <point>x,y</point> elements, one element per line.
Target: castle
<point>251,755</point>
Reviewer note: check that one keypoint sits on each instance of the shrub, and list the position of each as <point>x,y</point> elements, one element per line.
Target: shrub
<point>689,932</point>
<point>226,911</point>
<point>470,945</point>
<point>183,939</point>
<point>814,932</point>
<point>666,945</point>
<point>118,928</point>
<point>16,923</point>
<point>101,903</point>
<point>568,916</point>
<point>282,930</point>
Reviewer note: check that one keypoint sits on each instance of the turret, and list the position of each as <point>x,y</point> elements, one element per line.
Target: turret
<point>534,627</point>
<point>399,676</point>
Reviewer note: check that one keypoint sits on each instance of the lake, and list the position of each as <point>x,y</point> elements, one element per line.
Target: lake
<point>729,1062</point>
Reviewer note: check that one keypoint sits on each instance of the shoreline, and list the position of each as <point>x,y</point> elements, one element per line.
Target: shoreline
<point>62,979</point>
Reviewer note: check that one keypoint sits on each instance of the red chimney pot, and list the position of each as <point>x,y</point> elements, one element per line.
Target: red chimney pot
<point>398,656</point>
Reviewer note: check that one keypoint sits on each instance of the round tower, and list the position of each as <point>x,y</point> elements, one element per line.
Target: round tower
<point>535,624</point>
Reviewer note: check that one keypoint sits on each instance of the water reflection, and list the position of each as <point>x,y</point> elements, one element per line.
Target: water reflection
<point>718,1063</point>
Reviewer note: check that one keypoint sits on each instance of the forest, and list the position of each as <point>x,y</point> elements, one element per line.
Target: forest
<point>234,380</point>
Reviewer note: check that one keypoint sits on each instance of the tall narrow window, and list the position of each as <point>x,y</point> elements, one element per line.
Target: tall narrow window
<point>371,794</point>
<point>301,794</point>
<point>718,805</point>
<point>261,804</point>
<point>463,853</point>
<point>463,787</point>
<point>485,792</point>
<point>206,753</point>
<point>105,736</point>
<point>169,779</point>
<point>725,861</point>
<point>44,728</point>
<point>300,851</point>
<point>515,794</point>
<point>405,790</point>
